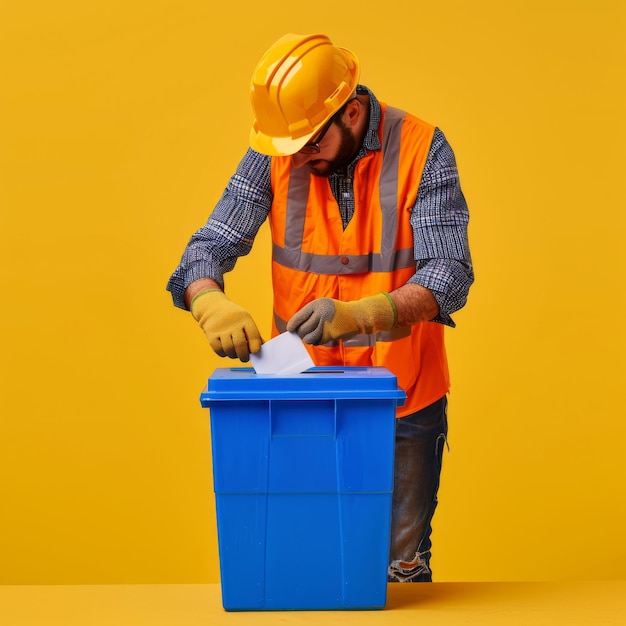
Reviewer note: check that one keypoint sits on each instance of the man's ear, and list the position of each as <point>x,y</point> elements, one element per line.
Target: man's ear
<point>354,110</point>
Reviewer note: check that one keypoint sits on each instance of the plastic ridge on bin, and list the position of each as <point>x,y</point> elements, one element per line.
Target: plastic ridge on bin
<point>347,382</point>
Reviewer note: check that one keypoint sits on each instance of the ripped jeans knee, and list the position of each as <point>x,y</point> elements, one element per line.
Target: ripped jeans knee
<point>416,570</point>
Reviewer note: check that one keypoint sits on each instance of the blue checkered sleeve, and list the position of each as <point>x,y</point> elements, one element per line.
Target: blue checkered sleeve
<point>231,228</point>
<point>440,219</point>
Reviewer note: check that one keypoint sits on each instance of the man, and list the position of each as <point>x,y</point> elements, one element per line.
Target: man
<point>370,254</point>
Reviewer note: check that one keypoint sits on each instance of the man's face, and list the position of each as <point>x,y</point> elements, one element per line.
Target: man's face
<point>337,149</point>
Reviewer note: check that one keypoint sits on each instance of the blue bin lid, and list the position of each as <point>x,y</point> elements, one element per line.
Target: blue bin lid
<point>317,383</point>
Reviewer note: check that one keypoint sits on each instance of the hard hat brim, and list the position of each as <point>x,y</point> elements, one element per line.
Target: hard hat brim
<point>277,146</point>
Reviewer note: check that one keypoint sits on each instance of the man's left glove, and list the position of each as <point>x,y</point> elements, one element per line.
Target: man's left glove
<point>230,329</point>
<point>325,319</point>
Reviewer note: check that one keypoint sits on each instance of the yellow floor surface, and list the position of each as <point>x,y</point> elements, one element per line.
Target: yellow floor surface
<point>451,604</point>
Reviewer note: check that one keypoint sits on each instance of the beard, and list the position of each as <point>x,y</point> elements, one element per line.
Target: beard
<point>348,147</point>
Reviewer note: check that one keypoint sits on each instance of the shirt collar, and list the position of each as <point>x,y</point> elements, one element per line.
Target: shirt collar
<point>371,141</point>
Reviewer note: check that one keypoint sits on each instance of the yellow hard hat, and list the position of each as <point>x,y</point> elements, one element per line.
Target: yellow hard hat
<point>297,86</point>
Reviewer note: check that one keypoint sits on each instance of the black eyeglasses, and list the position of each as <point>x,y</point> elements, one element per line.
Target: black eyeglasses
<point>314,146</point>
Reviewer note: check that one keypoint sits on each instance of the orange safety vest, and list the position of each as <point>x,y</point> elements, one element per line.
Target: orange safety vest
<point>314,257</point>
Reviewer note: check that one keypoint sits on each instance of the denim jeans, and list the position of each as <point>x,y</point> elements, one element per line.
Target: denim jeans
<point>420,439</point>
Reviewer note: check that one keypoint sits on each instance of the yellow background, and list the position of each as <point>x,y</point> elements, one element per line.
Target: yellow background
<point>120,124</point>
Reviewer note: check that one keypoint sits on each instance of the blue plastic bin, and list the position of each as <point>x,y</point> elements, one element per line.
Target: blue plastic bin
<point>303,477</point>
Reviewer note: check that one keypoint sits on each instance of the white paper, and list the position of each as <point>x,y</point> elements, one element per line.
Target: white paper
<point>285,354</point>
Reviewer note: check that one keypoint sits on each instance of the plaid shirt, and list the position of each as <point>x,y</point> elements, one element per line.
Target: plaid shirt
<point>439,219</point>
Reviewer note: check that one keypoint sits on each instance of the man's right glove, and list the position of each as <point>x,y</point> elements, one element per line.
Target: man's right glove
<point>325,319</point>
<point>230,329</point>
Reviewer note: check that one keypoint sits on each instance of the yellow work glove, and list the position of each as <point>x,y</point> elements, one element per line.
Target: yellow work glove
<point>231,331</point>
<point>326,319</point>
